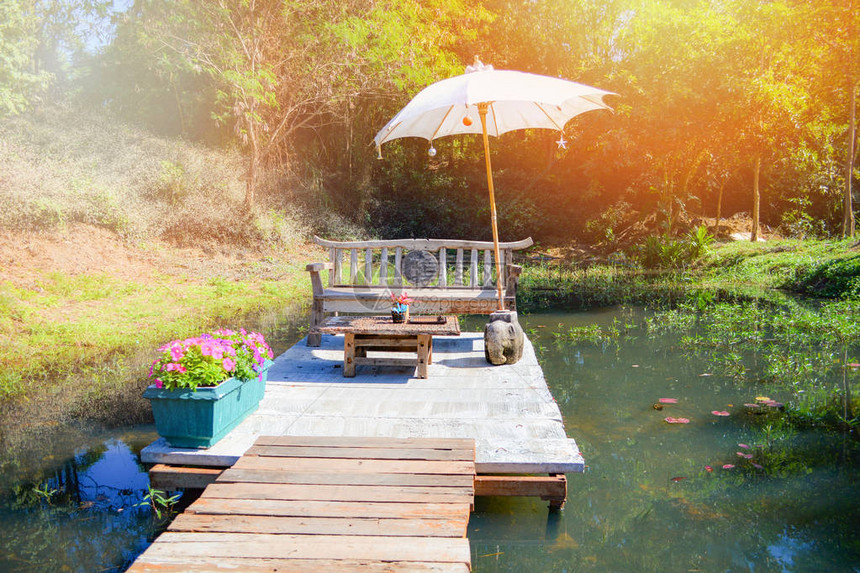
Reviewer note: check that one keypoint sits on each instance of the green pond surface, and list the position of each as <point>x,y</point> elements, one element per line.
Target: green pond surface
<point>646,502</point>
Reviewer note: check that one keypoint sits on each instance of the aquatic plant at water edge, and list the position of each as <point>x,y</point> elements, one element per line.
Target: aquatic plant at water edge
<point>209,359</point>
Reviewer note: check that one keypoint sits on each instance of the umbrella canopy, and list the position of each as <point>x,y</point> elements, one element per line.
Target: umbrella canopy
<point>491,102</point>
<point>516,100</point>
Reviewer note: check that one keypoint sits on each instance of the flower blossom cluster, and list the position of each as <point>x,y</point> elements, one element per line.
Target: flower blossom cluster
<point>209,359</point>
<point>400,302</point>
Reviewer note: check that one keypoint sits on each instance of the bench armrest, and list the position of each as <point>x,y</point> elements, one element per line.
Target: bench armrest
<point>512,279</point>
<point>316,280</point>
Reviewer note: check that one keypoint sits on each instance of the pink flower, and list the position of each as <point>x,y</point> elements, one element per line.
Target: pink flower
<point>212,348</point>
<point>728,466</point>
<point>744,446</point>
<point>176,352</point>
<point>709,469</point>
<point>745,456</point>
<point>668,400</point>
<point>720,413</point>
<point>229,364</point>
<point>159,383</point>
<point>174,367</point>
<point>671,420</point>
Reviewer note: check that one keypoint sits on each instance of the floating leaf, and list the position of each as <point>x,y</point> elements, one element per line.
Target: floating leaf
<point>706,374</point>
<point>762,399</point>
<point>668,400</point>
<point>671,420</point>
<point>757,466</point>
<point>752,405</point>
<point>774,404</point>
<point>679,478</point>
<point>720,413</point>
<point>728,466</point>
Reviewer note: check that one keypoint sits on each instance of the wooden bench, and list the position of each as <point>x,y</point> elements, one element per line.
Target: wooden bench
<point>441,276</point>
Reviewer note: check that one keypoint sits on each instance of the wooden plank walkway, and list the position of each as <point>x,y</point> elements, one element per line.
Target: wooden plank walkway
<point>303,504</point>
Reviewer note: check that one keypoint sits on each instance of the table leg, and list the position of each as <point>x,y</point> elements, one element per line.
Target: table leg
<point>349,355</point>
<point>423,355</point>
<point>430,350</point>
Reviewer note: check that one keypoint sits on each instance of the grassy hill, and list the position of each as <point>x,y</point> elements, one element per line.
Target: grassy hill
<point>114,241</point>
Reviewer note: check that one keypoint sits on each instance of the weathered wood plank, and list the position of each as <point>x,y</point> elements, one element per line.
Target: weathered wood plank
<point>392,494</point>
<point>368,442</point>
<point>546,487</point>
<point>314,508</point>
<point>378,453</point>
<point>398,259</point>
<point>473,269</point>
<point>252,475</point>
<point>353,265</point>
<point>275,546</point>
<point>423,244</point>
<point>364,361</point>
<point>383,267</point>
<point>382,527</point>
<point>170,478</point>
<point>338,465</point>
<point>203,564</point>
<point>409,343</point>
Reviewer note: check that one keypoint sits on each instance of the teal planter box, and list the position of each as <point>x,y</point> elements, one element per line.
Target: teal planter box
<point>198,419</point>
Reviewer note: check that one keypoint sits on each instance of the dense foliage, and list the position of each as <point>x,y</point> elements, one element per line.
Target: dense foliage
<point>722,105</point>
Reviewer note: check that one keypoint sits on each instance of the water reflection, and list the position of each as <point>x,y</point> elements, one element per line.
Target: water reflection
<point>648,502</point>
<point>81,514</point>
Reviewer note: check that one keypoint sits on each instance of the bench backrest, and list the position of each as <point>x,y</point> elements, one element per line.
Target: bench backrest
<point>460,264</point>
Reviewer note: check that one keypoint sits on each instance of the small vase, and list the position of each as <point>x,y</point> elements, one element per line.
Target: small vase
<point>400,316</point>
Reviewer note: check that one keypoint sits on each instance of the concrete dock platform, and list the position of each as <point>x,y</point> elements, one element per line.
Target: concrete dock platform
<point>508,410</point>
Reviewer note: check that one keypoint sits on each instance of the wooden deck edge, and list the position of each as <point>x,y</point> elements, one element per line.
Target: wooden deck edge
<point>551,488</point>
<point>169,478</point>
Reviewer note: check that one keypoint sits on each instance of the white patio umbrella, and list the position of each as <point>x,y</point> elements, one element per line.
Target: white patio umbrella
<point>491,102</point>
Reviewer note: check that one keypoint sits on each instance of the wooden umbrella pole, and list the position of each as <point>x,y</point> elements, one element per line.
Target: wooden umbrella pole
<point>482,111</point>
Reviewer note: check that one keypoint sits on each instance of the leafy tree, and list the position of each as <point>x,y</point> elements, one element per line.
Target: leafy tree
<point>20,83</point>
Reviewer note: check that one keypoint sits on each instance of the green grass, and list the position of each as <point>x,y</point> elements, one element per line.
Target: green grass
<point>822,268</point>
<point>70,327</point>
<point>825,269</point>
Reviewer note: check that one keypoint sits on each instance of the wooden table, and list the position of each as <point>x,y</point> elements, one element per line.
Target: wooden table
<point>379,333</point>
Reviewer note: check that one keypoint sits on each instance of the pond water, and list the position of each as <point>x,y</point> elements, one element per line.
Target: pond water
<point>647,502</point>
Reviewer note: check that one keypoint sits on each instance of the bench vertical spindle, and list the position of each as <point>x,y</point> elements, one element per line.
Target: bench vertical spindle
<point>458,269</point>
<point>353,265</point>
<point>338,266</point>
<point>488,269</point>
<point>383,267</point>
<point>473,271</point>
<point>398,255</point>
<point>443,268</point>
<point>368,266</point>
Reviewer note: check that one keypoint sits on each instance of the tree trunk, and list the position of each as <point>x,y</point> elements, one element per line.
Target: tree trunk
<point>848,203</point>
<point>720,204</point>
<point>251,182</point>
<point>756,200</point>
